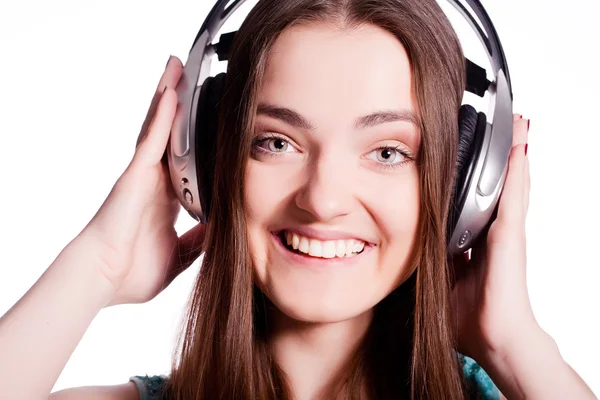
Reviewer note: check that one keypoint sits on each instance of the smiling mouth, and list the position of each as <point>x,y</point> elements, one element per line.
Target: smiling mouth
<point>282,237</point>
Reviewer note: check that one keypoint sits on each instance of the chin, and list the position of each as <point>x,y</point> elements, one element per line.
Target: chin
<point>314,307</point>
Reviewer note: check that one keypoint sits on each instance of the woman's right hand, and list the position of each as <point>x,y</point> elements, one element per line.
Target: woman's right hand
<point>133,233</point>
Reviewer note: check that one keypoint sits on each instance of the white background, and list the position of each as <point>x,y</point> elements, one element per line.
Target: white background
<point>77,78</point>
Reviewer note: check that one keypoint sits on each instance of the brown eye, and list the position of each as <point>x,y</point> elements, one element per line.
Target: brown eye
<point>277,145</point>
<point>272,144</point>
<point>387,155</point>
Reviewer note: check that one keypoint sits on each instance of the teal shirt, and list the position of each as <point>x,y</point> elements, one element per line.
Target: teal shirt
<point>479,384</point>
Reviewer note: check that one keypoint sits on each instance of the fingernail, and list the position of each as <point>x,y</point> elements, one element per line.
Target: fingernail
<point>520,116</point>
<point>168,61</point>
<point>528,121</point>
<point>526,144</point>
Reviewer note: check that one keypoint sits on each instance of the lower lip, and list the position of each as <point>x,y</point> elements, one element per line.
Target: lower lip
<point>305,259</point>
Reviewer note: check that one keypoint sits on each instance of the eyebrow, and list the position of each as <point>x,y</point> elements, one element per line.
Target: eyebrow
<point>293,118</point>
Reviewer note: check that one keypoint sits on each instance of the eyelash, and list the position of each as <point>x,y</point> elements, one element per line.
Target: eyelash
<point>261,139</point>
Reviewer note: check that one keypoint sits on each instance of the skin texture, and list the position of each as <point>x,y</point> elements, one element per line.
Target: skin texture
<point>332,178</point>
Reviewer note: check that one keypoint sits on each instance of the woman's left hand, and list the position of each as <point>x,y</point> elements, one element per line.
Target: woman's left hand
<point>490,303</point>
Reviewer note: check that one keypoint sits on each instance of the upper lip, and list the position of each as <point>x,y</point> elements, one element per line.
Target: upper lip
<point>323,234</point>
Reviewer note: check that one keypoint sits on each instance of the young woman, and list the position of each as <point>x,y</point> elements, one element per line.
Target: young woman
<point>325,272</point>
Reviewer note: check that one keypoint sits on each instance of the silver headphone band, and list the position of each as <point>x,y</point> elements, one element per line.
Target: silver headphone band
<point>488,35</point>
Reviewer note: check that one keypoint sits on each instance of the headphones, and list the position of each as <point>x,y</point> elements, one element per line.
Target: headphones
<point>483,146</point>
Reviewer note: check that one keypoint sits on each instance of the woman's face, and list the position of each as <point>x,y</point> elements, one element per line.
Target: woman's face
<point>332,172</point>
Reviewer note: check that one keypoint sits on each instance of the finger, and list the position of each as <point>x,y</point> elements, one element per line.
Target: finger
<point>527,175</point>
<point>517,117</point>
<point>527,186</point>
<point>515,173</point>
<point>153,145</point>
<point>510,205</point>
<point>170,78</point>
<point>520,131</point>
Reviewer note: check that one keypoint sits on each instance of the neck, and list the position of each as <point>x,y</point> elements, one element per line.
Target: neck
<point>312,354</point>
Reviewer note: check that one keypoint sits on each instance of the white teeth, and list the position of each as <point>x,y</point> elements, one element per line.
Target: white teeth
<point>324,249</point>
<point>358,246</point>
<point>349,245</point>
<point>340,248</point>
<point>328,249</point>
<point>303,246</point>
<point>315,248</point>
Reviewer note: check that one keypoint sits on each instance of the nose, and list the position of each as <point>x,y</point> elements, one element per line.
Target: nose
<point>327,191</point>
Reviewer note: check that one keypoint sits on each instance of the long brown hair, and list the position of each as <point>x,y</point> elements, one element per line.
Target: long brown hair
<point>408,351</point>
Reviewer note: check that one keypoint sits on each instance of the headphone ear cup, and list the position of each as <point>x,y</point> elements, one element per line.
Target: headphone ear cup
<point>471,130</point>
<point>207,120</point>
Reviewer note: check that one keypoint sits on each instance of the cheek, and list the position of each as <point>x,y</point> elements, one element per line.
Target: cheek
<point>397,213</point>
<point>267,190</point>
<point>264,197</point>
<point>396,207</point>
<point>257,193</point>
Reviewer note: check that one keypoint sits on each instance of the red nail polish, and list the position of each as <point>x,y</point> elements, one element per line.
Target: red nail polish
<point>520,116</point>
<point>526,144</point>
<point>528,122</point>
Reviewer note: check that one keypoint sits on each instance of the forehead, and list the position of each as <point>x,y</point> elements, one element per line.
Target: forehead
<point>334,75</point>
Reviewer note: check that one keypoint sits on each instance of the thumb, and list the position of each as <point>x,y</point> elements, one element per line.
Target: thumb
<point>152,146</point>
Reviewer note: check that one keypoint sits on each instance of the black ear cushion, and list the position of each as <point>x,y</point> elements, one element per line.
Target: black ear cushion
<point>471,129</point>
<point>207,119</point>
